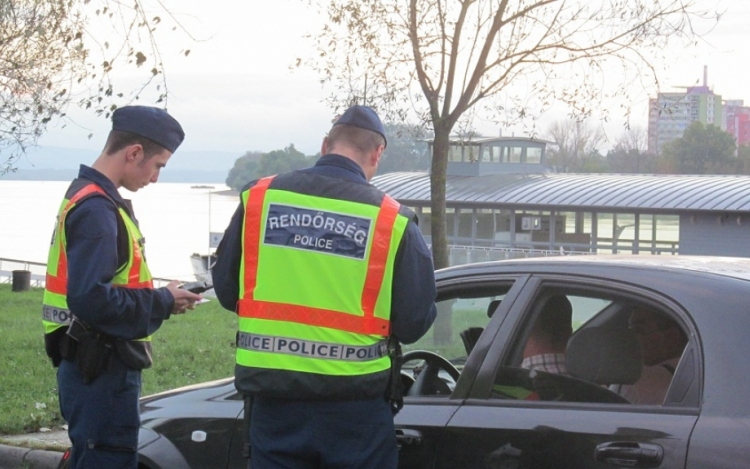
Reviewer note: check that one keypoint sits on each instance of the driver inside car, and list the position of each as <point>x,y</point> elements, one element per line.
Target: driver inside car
<point>545,347</point>
<point>544,351</point>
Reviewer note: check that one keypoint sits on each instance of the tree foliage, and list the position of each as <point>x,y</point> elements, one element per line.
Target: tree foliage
<point>54,53</point>
<point>243,170</point>
<point>440,58</point>
<point>743,159</point>
<point>281,161</point>
<point>702,149</point>
<point>254,165</point>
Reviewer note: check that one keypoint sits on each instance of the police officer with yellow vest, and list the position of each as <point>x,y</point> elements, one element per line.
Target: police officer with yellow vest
<point>322,269</point>
<point>100,306</point>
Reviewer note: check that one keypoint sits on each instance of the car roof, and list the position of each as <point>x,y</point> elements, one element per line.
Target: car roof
<point>735,267</point>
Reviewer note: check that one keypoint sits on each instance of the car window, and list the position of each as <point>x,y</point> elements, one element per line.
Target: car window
<point>591,347</point>
<point>461,320</point>
<point>585,308</point>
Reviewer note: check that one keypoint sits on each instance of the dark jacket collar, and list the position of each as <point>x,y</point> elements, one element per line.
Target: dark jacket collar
<point>342,162</point>
<point>87,172</point>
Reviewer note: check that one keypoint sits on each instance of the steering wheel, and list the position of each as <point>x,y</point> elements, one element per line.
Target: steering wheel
<point>428,381</point>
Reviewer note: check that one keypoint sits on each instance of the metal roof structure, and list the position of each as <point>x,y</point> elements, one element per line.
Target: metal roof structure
<point>596,192</point>
<point>456,140</point>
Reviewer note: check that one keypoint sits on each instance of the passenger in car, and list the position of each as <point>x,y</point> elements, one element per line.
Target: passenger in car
<point>662,343</point>
<point>545,348</point>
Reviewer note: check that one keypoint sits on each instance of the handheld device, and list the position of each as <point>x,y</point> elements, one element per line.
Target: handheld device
<point>196,287</point>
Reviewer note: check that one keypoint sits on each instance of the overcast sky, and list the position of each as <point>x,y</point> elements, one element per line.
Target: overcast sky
<point>235,91</point>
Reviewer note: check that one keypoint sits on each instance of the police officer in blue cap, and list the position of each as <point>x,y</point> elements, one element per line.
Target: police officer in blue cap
<point>326,273</point>
<point>100,306</point>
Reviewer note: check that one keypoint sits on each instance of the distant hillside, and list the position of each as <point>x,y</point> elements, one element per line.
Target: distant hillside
<point>61,164</point>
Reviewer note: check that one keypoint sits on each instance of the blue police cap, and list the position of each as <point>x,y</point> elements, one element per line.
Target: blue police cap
<point>151,123</point>
<point>363,117</point>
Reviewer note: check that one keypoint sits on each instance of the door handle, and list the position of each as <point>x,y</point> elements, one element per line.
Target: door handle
<point>408,437</point>
<point>629,454</point>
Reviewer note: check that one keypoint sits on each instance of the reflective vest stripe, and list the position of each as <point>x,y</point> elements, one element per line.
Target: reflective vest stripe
<point>378,259</point>
<point>310,348</point>
<point>253,217</point>
<point>313,317</point>
<point>59,283</point>
<point>134,276</point>
<point>57,315</point>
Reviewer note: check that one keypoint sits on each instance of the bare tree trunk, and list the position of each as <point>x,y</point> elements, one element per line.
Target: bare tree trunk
<point>443,328</point>
<point>437,193</point>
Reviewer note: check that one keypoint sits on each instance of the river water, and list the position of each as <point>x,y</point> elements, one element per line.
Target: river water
<point>175,218</point>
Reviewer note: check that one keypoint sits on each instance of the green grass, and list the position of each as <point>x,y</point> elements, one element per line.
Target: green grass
<point>190,348</point>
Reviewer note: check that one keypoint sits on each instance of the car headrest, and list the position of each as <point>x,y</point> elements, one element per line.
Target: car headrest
<point>492,307</point>
<point>604,355</point>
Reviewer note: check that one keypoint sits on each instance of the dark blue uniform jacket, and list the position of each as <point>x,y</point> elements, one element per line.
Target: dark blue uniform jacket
<point>92,247</point>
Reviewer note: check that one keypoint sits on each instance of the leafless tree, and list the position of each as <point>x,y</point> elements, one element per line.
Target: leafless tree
<point>54,53</point>
<point>441,58</point>
<point>629,155</point>
<point>632,138</point>
<point>574,140</point>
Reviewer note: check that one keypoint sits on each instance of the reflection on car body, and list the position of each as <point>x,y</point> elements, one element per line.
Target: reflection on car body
<point>470,404</point>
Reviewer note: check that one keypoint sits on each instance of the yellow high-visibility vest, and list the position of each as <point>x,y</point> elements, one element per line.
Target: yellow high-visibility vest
<point>315,287</point>
<point>134,274</point>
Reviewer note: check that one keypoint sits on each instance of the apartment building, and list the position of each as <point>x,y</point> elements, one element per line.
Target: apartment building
<point>737,118</point>
<point>671,113</point>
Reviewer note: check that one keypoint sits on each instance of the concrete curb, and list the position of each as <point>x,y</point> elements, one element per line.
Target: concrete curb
<point>14,457</point>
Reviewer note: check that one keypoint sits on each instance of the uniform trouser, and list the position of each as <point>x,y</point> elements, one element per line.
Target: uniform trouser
<point>322,434</point>
<point>103,416</point>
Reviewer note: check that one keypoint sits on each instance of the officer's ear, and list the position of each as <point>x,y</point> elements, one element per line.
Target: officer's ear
<point>133,152</point>
<point>376,155</point>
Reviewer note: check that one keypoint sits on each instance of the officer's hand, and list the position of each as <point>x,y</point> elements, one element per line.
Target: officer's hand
<point>183,299</point>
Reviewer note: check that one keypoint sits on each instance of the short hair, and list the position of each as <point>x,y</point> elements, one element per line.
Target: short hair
<point>555,319</point>
<point>363,140</point>
<point>119,139</point>
<point>662,320</point>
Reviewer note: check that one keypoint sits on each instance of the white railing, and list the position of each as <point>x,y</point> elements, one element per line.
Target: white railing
<point>39,272</point>
<point>469,254</point>
<point>37,269</point>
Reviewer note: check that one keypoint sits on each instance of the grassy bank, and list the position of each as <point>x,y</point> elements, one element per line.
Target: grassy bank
<point>195,347</point>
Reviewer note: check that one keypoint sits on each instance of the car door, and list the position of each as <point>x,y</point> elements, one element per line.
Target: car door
<point>469,311</point>
<point>492,430</point>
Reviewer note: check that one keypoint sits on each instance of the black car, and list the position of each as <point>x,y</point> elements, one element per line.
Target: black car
<point>470,404</point>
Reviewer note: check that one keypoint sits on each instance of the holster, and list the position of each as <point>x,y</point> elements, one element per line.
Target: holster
<point>394,390</point>
<point>134,354</point>
<point>93,350</point>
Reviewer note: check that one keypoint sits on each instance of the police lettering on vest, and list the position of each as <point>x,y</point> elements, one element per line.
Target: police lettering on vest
<point>310,348</point>
<point>56,315</point>
<point>327,232</point>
